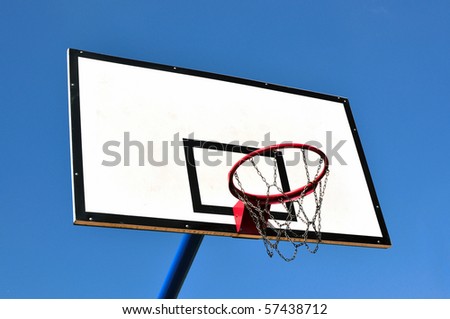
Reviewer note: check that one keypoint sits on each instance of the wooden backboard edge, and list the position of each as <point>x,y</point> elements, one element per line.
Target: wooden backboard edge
<point>219,233</point>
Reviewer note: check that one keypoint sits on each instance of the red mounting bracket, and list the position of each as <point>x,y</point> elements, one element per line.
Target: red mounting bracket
<point>244,222</point>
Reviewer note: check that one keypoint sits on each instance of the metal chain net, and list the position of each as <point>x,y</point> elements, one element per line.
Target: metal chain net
<point>294,208</point>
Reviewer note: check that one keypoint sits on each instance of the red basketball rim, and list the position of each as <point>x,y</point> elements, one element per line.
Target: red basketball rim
<point>278,198</point>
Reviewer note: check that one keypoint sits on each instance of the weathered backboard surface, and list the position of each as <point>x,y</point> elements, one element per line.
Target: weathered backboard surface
<point>152,146</point>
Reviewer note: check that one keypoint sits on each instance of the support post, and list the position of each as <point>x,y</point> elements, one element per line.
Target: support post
<point>180,266</point>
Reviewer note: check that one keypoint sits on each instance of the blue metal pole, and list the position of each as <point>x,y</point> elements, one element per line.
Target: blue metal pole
<point>180,266</point>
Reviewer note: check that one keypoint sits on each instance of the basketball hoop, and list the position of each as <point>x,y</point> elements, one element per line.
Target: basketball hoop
<point>252,212</point>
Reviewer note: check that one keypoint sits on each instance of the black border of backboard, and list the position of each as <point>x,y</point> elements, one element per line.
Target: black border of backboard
<point>83,217</point>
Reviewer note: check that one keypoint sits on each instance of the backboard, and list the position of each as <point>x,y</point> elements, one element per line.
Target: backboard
<point>152,146</point>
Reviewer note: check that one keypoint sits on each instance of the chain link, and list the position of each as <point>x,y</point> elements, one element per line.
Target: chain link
<point>258,212</point>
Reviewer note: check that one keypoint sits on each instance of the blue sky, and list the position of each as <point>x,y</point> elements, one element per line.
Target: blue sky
<point>390,58</point>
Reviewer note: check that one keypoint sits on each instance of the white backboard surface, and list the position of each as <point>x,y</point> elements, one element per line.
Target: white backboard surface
<point>150,148</point>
